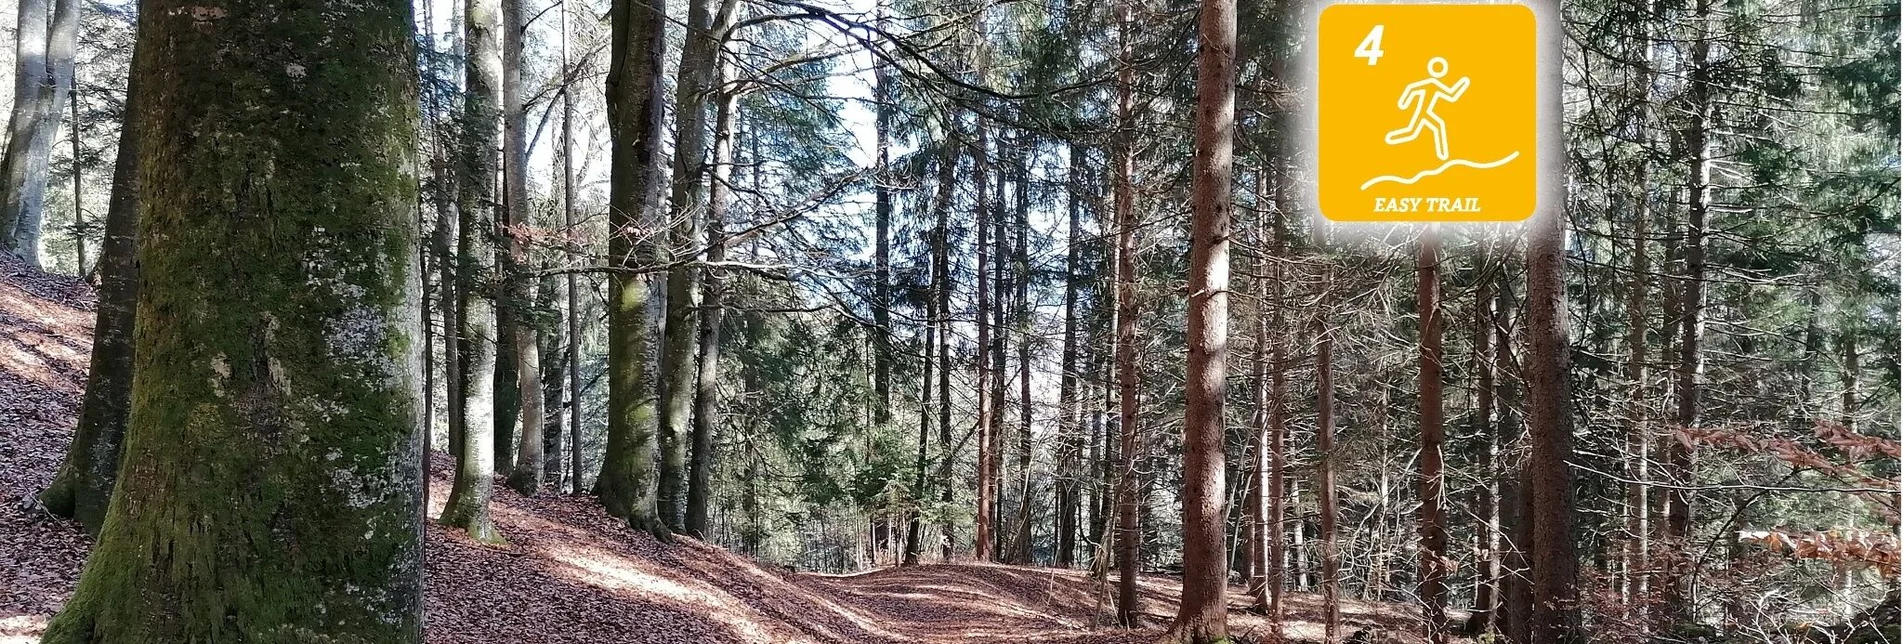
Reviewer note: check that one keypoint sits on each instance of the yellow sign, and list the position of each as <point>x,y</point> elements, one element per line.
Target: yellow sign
<point>1426,112</point>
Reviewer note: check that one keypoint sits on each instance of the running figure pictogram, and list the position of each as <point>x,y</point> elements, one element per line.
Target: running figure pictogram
<point>1424,117</point>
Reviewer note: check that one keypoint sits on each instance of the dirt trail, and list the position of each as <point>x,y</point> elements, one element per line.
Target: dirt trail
<point>569,572</point>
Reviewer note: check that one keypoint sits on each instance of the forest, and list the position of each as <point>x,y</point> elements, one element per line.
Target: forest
<point>387,321</point>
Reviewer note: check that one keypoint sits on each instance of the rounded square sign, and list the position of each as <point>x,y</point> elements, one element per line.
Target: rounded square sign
<point>1426,112</point>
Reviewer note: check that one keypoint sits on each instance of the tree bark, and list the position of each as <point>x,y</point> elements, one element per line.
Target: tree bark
<point>571,227</point>
<point>626,485</point>
<point>1555,600</point>
<point>707,384</point>
<point>1486,504</point>
<point>1070,435</point>
<point>678,360</point>
<point>23,122</point>
<point>987,428</point>
<point>1128,536</point>
<point>1675,588</point>
<point>1203,615</point>
<point>1325,471</point>
<point>35,120</point>
<point>468,505</point>
<point>280,402</point>
<point>941,298</point>
<point>1638,547</point>
<point>526,475</point>
<point>1433,523</point>
<point>83,486</point>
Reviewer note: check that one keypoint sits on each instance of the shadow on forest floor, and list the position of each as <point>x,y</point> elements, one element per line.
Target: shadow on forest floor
<point>569,572</point>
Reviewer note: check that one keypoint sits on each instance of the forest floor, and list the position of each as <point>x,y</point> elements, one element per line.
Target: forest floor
<point>569,572</point>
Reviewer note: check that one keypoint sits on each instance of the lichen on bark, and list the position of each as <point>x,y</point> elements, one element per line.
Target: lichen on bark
<point>271,488</point>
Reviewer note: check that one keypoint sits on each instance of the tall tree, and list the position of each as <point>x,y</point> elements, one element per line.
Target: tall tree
<point>626,484</point>
<point>941,320</point>
<point>1124,198</point>
<point>1555,567</point>
<point>1325,469</point>
<point>1486,500</point>
<point>571,229</point>
<point>1071,435</point>
<point>1021,282</point>
<point>518,325</point>
<point>1433,521</point>
<point>987,404</point>
<point>679,364</point>
<point>468,505</point>
<point>83,486</point>
<point>43,54</point>
<point>283,138</point>
<point>1203,615</point>
<point>1688,373</point>
<point>700,479</point>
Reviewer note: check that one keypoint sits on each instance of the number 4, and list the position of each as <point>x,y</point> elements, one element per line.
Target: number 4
<point>1370,47</point>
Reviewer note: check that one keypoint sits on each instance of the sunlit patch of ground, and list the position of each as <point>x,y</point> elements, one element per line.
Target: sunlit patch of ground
<point>569,572</point>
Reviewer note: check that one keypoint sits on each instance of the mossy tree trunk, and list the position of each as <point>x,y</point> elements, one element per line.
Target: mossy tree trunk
<point>626,484</point>
<point>273,461</point>
<point>84,484</point>
<point>468,505</point>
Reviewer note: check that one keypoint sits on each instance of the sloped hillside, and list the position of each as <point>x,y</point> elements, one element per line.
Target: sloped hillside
<point>569,573</point>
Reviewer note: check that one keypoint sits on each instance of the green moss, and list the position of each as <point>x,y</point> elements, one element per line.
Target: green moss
<point>272,475</point>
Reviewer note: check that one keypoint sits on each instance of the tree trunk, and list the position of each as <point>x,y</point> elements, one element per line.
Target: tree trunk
<point>1070,434</point>
<point>678,360</point>
<point>1674,590</point>
<point>84,484</point>
<point>1203,615</point>
<point>1275,570</point>
<point>1516,529</point>
<point>1021,278</point>
<point>1128,535</point>
<point>297,367</point>
<point>1258,522</point>
<point>700,480</point>
<point>511,294</point>
<point>1000,328</point>
<point>1325,471</point>
<point>468,505</point>
<point>987,454</point>
<point>23,121</point>
<point>45,59</point>
<point>571,226</point>
<point>941,298</point>
<point>1486,506</point>
<point>1555,601</point>
<point>1433,525</point>
<point>526,360</point>
<point>1637,555</point>
<point>626,485</point>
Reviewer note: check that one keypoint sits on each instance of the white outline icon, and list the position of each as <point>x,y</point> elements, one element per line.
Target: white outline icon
<point>1424,117</point>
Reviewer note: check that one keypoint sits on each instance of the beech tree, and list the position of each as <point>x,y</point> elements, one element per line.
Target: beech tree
<point>83,487</point>
<point>626,485</point>
<point>468,504</point>
<point>279,398</point>
<point>43,56</point>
